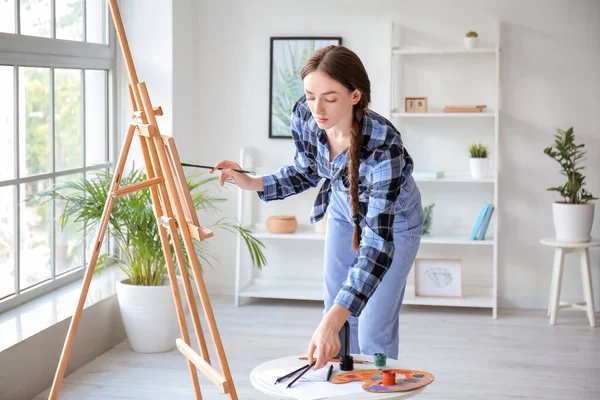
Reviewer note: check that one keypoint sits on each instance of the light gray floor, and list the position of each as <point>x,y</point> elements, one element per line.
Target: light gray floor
<point>471,355</point>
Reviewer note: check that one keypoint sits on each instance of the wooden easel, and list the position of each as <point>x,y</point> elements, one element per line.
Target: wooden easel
<point>175,214</point>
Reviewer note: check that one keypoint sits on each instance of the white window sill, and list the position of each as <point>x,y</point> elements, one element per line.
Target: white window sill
<point>30,318</point>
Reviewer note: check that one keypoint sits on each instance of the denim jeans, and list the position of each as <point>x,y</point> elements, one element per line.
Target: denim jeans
<point>376,329</point>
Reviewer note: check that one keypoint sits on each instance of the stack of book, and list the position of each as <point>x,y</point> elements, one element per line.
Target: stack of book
<point>482,223</point>
<point>464,108</point>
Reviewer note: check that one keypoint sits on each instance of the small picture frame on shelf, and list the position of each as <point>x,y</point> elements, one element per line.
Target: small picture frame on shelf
<point>415,104</point>
<point>437,277</point>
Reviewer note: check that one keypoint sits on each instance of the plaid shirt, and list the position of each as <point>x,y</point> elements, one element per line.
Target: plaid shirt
<point>384,167</point>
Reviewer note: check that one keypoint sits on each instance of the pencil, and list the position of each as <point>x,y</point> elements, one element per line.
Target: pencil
<point>290,374</point>
<point>329,372</point>
<point>309,366</point>
<point>337,359</point>
<point>209,167</point>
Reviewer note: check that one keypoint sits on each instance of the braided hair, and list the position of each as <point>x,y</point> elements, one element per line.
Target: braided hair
<point>344,66</point>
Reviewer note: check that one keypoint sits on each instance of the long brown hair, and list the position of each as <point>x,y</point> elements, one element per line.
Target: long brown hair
<point>343,65</point>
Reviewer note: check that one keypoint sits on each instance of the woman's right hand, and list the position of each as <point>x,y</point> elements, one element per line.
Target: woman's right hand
<point>242,180</point>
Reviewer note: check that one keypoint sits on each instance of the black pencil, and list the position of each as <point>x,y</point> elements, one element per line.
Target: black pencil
<point>209,167</point>
<point>290,374</point>
<point>329,372</point>
<point>309,366</point>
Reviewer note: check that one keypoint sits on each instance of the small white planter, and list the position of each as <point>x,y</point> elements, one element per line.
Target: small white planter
<point>573,222</point>
<point>149,316</point>
<point>479,167</point>
<point>471,42</point>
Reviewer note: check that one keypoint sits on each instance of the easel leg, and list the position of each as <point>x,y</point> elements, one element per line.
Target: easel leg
<point>151,172</point>
<point>180,216</point>
<point>89,273</point>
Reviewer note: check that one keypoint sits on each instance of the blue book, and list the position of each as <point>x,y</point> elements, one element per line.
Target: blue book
<point>478,222</point>
<point>486,222</point>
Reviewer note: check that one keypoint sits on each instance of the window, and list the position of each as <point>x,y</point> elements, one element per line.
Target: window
<point>56,110</point>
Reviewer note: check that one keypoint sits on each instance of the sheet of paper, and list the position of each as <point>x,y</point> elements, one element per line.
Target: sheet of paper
<point>313,385</point>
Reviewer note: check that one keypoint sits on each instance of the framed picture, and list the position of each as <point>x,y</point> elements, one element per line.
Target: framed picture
<point>438,277</point>
<point>415,104</point>
<point>288,55</point>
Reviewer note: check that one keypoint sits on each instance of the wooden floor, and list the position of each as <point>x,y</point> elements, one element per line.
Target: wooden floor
<point>471,355</point>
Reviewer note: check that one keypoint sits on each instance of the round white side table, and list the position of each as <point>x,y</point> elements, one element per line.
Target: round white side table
<point>260,383</point>
<point>562,249</point>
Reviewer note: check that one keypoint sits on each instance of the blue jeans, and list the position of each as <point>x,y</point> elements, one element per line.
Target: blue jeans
<point>376,329</point>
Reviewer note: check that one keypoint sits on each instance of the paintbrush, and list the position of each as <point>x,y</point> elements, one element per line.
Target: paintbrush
<point>209,167</point>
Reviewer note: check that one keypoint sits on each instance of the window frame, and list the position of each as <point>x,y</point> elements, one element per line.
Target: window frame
<point>30,51</point>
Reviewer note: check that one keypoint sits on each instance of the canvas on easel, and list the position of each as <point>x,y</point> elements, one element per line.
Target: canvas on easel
<point>176,218</point>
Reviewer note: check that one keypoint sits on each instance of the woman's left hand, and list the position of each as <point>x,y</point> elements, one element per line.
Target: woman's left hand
<point>326,339</point>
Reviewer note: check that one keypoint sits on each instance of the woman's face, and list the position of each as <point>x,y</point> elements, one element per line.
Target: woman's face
<point>329,101</point>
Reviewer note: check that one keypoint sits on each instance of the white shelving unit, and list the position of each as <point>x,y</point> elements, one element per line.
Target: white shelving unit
<point>425,63</point>
<point>295,266</point>
<point>286,276</point>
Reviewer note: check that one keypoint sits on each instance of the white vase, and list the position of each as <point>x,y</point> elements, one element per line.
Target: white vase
<point>471,42</point>
<point>573,222</point>
<point>479,167</point>
<point>149,316</point>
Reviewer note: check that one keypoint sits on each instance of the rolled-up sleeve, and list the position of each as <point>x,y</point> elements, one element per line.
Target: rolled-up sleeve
<point>376,248</point>
<point>296,178</point>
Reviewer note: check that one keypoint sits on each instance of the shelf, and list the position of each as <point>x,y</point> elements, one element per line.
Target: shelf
<point>458,240</point>
<point>473,296</point>
<point>444,50</point>
<point>457,179</point>
<point>304,232</point>
<point>313,290</point>
<point>437,113</point>
<point>284,289</point>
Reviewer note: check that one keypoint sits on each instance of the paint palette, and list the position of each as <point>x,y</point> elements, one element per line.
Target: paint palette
<point>406,379</point>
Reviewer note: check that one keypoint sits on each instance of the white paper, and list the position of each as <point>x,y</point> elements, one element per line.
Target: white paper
<point>313,385</point>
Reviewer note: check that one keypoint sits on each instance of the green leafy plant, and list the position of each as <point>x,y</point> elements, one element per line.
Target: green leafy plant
<point>427,210</point>
<point>570,156</point>
<point>133,224</point>
<point>472,34</point>
<point>478,150</point>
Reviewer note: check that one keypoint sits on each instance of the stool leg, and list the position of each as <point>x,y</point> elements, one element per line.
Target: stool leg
<point>559,258</point>
<point>553,280</point>
<point>586,280</point>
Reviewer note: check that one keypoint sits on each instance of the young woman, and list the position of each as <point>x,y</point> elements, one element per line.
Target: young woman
<point>374,207</point>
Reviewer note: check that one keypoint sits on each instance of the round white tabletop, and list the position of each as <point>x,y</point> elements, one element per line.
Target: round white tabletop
<point>556,243</point>
<point>264,384</point>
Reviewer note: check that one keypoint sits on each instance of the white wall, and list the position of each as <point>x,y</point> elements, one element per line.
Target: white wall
<point>549,71</point>
<point>149,31</point>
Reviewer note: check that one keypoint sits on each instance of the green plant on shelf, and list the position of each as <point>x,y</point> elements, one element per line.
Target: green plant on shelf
<point>478,150</point>
<point>427,210</point>
<point>471,34</point>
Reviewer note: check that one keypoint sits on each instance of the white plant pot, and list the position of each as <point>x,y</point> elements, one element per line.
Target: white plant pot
<point>573,222</point>
<point>149,316</point>
<point>479,167</point>
<point>471,42</point>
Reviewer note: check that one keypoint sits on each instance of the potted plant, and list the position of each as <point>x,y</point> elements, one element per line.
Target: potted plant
<point>574,215</point>
<point>145,297</point>
<point>471,40</point>
<point>479,162</point>
<point>427,219</point>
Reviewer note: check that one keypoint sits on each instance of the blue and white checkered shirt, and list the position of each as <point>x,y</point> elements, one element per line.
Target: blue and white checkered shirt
<point>384,167</point>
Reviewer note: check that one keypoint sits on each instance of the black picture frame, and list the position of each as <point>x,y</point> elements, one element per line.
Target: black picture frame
<point>287,57</point>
